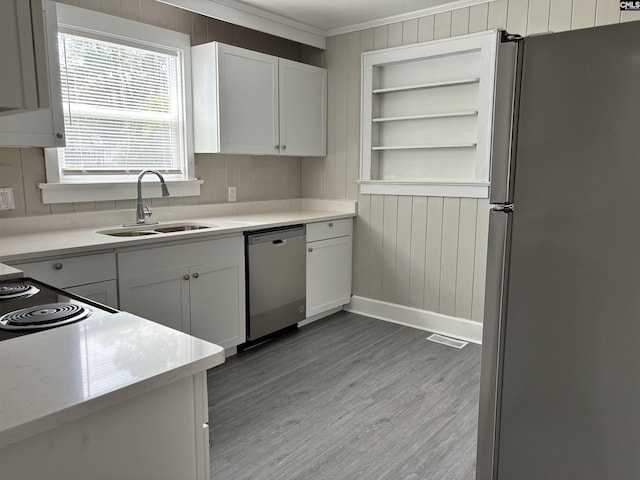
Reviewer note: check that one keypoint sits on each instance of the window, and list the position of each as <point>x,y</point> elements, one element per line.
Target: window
<point>126,103</point>
<point>121,108</point>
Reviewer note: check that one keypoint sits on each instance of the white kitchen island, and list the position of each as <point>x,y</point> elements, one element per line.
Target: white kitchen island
<point>104,398</point>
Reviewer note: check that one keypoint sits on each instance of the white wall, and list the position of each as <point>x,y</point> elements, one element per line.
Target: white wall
<point>427,253</point>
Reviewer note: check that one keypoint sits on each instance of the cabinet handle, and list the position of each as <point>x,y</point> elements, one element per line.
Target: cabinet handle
<point>186,277</point>
<point>60,135</point>
<point>331,224</point>
<point>277,147</point>
<point>284,147</point>
<point>310,249</point>
<point>58,266</point>
<point>196,275</point>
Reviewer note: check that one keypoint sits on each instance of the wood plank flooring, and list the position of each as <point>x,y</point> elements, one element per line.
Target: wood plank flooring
<point>346,397</point>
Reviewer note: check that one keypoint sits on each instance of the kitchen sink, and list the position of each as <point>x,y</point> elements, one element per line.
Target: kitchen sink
<point>129,233</point>
<point>182,228</point>
<point>156,229</point>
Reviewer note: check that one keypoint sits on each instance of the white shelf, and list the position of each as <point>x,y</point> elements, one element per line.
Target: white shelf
<point>447,83</point>
<point>460,183</point>
<point>423,147</point>
<point>426,116</point>
<point>426,188</point>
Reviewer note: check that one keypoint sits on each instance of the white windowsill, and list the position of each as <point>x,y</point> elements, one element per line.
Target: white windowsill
<point>426,189</point>
<point>88,192</point>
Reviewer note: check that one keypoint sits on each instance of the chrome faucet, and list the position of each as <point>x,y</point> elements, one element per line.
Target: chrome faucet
<point>143,211</point>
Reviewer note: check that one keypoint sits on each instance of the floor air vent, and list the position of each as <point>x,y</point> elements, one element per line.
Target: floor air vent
<point>450,342</point>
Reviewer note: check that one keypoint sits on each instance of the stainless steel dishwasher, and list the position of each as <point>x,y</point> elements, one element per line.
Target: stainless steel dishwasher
<point>276,286</point>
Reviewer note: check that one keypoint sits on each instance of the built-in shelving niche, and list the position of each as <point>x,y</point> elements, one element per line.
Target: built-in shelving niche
<point>426,116</point>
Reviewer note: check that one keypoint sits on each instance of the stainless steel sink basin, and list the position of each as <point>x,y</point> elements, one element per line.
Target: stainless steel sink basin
<point>129,233</point>
<point>181,228</point>
<point>136,231</point>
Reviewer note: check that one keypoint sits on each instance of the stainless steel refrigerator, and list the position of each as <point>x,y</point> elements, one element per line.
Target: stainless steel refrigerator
<point>560,387</point>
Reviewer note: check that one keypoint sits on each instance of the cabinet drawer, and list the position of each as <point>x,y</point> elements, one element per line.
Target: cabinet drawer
<point>64,272</point>
<point>329,229</point>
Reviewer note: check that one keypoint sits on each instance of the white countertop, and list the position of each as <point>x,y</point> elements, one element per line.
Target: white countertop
<point>21,241</point>
<point>55,376</point>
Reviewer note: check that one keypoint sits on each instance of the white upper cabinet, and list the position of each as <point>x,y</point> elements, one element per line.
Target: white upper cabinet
<point>34,125</point>
<point>303,109</point>
<point>235,96</point>
<point>251,103</point>
<point>24,79</point>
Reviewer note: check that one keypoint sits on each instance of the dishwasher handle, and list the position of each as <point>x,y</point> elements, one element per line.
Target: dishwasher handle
<point>275,237</point>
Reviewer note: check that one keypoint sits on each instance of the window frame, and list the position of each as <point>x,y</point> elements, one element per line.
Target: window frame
<point>69,188</point>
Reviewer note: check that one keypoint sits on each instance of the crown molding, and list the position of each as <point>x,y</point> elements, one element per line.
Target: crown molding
<point>447,7</point>
<point>256,19</point>
<point>262,20</point>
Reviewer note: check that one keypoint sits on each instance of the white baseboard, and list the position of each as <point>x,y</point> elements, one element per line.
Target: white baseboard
<point>318,316</point>
<point>461,328</point>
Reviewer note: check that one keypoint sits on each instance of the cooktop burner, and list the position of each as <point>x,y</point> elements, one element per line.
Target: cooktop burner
<point>14,290</point>
<point>28,306</point>
<point>48,315</point>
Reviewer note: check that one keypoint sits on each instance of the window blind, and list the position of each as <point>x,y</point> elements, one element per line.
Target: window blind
<point>122,107</point>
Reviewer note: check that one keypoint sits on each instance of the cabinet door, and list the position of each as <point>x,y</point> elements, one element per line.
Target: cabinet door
<point>19,76</point>
<point>101,292</point>
<point>162,297</point>
<point>248,101</point>
<point>43,127</point>
<point>303,109</point>
<point>218,302</point>
<point>157,434</point>
<point>328,274</point>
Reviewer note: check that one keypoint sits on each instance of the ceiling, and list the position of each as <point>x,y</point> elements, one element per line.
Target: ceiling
<point>332,15</point>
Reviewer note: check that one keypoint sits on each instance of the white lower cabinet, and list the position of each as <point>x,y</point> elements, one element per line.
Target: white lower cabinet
<point>161,296</point>
<point>92,276</point>
<point>329,253</point>
<point>195,287</point>
<point>101,292</point>
<point>161,434</point>
<point>218,301</point>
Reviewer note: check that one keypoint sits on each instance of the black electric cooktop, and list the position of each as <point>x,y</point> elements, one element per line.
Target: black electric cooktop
<point>28,306</point>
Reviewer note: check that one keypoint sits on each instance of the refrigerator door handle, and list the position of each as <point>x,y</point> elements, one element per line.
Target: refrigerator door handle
<point>505,208</point>
<point>492,341</point>
<point>504,122</point>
